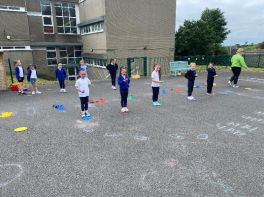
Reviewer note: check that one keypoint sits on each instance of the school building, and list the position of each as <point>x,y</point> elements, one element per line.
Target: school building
<point>45,32</point>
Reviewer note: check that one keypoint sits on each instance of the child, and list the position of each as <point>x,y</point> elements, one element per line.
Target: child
<point>61,76</point>
<point>83,66</point>
<point>123,82</point>
<point>20,76</point>
<point>32,78</point>
<point>210,78</point>
<point>112,68</point>
<point>155,76</point>
<point>82,85</point>
<point>190,75</point>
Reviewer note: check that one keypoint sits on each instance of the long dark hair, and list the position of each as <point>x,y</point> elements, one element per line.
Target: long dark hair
<point>111,60</point>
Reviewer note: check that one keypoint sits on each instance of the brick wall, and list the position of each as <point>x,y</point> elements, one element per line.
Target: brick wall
<point>3,85</point>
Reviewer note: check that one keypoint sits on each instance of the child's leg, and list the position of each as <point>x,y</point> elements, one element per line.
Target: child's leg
<point>60,82</point>
<point>155,95</point>
<point>122,98</point>
<point>125,98</point>
<point>233,71</point>
<point>63,84</point>
<point>210,83</point>
<point>190,87</point>
<point>86,103</point>
<point>113,77</point>
<point>82,99</point>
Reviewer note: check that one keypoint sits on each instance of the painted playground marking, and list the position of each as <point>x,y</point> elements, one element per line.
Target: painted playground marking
<point>202,136</point>
<point>18,166</point>
<point>141,138</point>
<point>113,135</point>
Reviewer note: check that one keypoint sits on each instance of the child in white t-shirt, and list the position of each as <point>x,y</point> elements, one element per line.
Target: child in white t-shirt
<point>155,76</point>
<point>82,85</point>
<point>32,78</point>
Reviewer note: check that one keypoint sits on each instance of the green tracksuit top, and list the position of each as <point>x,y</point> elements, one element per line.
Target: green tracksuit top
<point>238,61</point>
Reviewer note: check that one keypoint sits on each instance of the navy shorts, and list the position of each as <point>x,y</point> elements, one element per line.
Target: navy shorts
<point>20,80</point>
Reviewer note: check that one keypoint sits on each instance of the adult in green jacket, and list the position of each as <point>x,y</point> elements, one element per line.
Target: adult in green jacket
<point>238,62</point>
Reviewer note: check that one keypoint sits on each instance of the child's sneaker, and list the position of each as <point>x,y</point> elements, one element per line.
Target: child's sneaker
<point>123,110</point>
<point>126,109</point>
<point>235,86</point>
<point>158,104</point>
<point>64,90</point>
<point>61,90</point>
<point>154,103</point>
<point>87,113</point>
<point>229,83</point>
<point>33,93</point>
<point>82,113</point>
<point>191,98</point>
<point>113,87</point>
<point>38,92</point>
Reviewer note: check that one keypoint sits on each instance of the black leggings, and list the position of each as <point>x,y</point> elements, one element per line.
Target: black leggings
<point>210,84</point>
<point>124,95</point>
<point>113,78</point>
<point>62,84</point>
<point>190,87</point>
<point>236,72</point>
<point>155,95</point>
<point>84,103</point>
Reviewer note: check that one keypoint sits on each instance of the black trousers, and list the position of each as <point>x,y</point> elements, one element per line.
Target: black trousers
<point>190,87</point>
<point>210,84</point>
<point>113,78</point>
<point>62,84</point>
<point>84,103</point>
<point>236,72</point>
<point>124,95</point>
<point>155,95</point>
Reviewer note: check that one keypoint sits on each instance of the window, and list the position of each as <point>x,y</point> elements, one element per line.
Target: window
<point>51,56</point>
<point>93,28</point>
<point>66,18</point>
<point>47,16</point>
<point>12,8</point>
<point>70,55</point>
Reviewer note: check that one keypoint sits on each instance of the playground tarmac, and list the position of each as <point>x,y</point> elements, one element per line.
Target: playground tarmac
<point>209,147</point>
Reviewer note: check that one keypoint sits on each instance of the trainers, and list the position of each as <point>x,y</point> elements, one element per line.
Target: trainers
<point>126,109</point>
<point>82,113</point>
<point>38,92</point>
<point>61,90</point>
<point>235,86</point>
<point>158,104</point>
<point>87,113</point>
<point>123,110</point>
<point>64,90</point>
<point>191,98</point>
<point>154,103</point>
<point>229,83</point>
<point>33,92</point>
<point>113,87</point>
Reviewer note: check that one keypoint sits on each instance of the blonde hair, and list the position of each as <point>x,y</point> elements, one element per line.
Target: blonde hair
<point>240,50</point>
<point>82,72</point>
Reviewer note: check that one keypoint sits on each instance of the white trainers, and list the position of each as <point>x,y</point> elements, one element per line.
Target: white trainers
<point>230,83</point>
<point>33,92</point>
<point>38,92</point>
<point>123,110</point>
<point>87,113</point>
<point>83,113</point>
<point>191,98</point>
<point>61,90</point>
<point>158,104</point>
<point>113,87</point>
<point>126,109</point>
<point>64,90</point>
<point>235,86</point>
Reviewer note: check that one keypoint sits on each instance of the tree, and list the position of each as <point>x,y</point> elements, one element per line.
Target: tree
<point>204,36</point>
<point>193,38</point>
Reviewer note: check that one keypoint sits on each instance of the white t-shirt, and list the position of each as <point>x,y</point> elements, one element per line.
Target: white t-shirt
<point>83,84</point>
<point>155,77</point>
<point>33,74</point>
<point>21,73</point>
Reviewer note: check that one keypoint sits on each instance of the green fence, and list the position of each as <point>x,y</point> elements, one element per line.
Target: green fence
<point>252,60</point>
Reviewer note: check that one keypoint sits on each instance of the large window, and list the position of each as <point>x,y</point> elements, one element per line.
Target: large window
<point>66,18</point>
<point>64,55</point>
<point>51,56</point>
<point>70,55</point>
<point>93,28</point>
<point>46,11</point>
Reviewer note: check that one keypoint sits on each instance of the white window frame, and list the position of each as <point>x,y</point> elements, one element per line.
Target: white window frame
<point>47,16</point>
<point>76,17</point>
<point>93,28</point>
<point>21,9</point>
